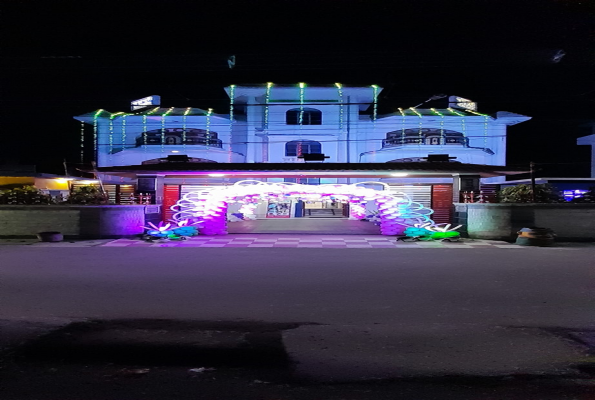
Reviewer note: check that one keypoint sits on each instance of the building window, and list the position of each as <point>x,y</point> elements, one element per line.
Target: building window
<point>296,148</point>
<point>303,181</point>
<point>179,136</point>
<point>429,136</point>
<point>310,116</point>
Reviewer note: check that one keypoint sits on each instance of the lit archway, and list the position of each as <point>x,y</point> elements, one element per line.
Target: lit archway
<point>209,207</point>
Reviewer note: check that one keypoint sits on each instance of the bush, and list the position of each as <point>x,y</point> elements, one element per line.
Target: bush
<point>25,195</point>
<point>87,195</point>
<point>544,193</point>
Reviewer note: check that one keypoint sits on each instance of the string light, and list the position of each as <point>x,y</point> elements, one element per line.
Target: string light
<point>163,116</point>
<point>82,142</point>
<point>486,119</point>
<point>463,125</point>
<point>184,128</point>
<point>95,116</point>
<point>301,119</point>
<point>267,99</point>
<point>375,112</point>
<point>420,135</point>
<point>232,95</point>
<point>402,125</point>
<point>302,86</point>
<point>124,131</point>
<point>341,106</point>
<point>209,113</point>
<point>442,139</point>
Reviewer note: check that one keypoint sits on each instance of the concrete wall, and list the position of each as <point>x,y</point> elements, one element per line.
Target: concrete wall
<point>501,221</point>
<point>73,221</point>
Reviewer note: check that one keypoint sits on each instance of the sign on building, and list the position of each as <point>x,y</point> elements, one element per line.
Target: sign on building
<point>148,101</point>
<point>462,103</point>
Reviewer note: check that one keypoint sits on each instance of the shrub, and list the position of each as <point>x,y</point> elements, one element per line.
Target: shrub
<point>87,195</point>
<point>25,195</point>
<point>544,193</point>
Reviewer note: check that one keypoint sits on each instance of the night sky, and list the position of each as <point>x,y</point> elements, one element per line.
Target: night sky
<point>64,58</point>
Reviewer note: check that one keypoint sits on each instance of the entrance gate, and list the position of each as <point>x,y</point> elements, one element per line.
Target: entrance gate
<point>208,207</point>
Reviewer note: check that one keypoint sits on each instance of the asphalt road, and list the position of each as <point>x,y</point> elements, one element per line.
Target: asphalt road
<point>458,323</point>
<point>522,287</point>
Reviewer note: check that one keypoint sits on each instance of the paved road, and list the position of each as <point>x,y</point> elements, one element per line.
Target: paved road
<point>359,313</point>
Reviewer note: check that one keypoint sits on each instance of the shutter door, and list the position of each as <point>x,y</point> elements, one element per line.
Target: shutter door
<point>417,193</point>
<point>442,204</point>
<point>171,194</point>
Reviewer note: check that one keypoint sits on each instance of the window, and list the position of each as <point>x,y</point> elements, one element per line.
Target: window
<point>310,116</point>
<point>298,147</point>
<point>303,181</point>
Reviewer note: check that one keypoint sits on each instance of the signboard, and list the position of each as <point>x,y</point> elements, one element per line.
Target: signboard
<point>279,209</point>
<point>462,103</point>
<point>145,102</point>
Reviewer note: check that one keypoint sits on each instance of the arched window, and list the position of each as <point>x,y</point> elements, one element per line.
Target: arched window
<point>310,116</point>
<point>298,147</point>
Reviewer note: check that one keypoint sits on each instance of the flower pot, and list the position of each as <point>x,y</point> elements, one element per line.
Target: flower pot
<point>50,236</point>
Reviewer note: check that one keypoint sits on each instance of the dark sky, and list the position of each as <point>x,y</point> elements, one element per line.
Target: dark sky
<point>63,58</point>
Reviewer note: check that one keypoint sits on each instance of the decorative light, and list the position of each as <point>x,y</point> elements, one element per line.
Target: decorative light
<point>111,137</point>
<point>267,99</point>
<point>124,131</point>
<point>399,174</point>
<point>420,133</point>
<point>442,139</point>
<point>208,127</point>
<point>175,151</point>
<point>402,125</point>
<point>463,125</point>
<point>95,116</point>
<point>375,112</point>
<point>184,116</point>
<point>82,142</point>
<point>301,118</point>
<point>232,95</point>
<point>341,106</point>
<point>216,174</point>
<point>163,116</point>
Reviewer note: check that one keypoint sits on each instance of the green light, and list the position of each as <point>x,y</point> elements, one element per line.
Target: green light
<point>124,131</point>
<point>232,95</point>
<point>402,125</point>
<point>375,112</point>
<point>267,99</point>
<point>209,113</point>
<point>301,119</point>
<point>95,132</point>
<point>442,140</point>
<point>463,126</point>
<point>165,114</point>
<point>341,106</point>
<point>184,127</point>
<point>82,142</point>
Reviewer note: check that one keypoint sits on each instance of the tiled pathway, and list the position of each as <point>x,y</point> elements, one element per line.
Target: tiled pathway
<point>311,241</point>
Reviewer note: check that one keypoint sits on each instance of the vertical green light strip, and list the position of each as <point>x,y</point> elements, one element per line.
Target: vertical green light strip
<point>463,126</point>
<point>419,134</point>
<point>163,117</point>
<point>95,116</point>
<point>232,96</point>
<point>82,142</point>
<point>486,119</point>
<point>267,100</point>
<point>402,126</point>
<point>124,131</point>
<point>209,113</point>
<point>341,106</point>
<point>375,112</point>
<point>442,139</point>
<point>184,128</point>
<point>301,118</point>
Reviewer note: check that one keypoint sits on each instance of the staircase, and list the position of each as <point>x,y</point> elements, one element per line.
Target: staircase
<point>323,213</point>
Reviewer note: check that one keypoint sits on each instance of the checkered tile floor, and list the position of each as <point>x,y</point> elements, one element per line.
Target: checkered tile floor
<point>311,241</point>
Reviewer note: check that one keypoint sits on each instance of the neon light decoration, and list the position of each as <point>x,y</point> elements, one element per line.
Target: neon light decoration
<point>341,111</point>
<point>82,142</point>
<point>428,231</point>
<point>209,207</point>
